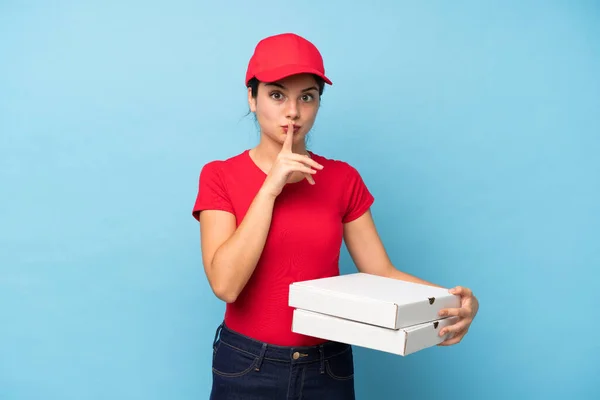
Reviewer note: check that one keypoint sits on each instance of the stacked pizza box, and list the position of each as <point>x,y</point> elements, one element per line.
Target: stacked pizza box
<point>371,311</point>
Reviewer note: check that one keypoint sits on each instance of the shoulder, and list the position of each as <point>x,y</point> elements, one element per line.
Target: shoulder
<point>216,167</point>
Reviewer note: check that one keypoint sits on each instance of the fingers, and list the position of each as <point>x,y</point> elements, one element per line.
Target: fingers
<point>456,328</point>
<point>289,139</point>
<point>306,171</point>
<point>309,178</point>
<point>300,162</point>
<point>304,159</point>
<point>453,340</point>
<point>307,162</point>
<point>461,291</point>
<point>455,312</point>
<point>298,166</point>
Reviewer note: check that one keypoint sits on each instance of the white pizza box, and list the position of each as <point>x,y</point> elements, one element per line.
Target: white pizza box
<point>372,299</point>
<point>402,341</point>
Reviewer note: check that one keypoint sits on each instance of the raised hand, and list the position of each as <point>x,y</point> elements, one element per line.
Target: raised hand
<point>288,162</point>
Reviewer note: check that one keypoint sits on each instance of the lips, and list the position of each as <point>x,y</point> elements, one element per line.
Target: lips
<point>296,128</point>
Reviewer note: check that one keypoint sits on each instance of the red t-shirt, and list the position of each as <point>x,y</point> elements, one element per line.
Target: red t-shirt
<point>303,243</point>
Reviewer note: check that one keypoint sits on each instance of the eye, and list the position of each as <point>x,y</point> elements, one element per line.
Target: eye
<point>307,97</point>
<point>276,95</point>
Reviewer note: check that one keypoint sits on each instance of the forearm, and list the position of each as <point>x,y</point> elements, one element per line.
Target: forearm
<point>393,272</point>
<point>235,261</point>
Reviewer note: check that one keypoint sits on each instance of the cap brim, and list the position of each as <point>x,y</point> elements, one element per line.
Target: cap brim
<point>277,74</point>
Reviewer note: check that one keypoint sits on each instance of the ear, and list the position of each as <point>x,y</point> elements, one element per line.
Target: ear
<point>251,101</point>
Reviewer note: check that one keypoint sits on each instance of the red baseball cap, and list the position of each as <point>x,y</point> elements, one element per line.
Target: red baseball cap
<point>279,56</point>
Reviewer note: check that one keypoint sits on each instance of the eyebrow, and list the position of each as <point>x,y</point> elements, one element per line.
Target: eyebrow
<point>279,85</point>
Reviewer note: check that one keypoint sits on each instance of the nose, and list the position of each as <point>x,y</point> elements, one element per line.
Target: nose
<point>292,112</point>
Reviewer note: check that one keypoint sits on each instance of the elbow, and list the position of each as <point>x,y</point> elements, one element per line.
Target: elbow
<point>222,285</point>
<point>224,292</point>
<point>225,295</point>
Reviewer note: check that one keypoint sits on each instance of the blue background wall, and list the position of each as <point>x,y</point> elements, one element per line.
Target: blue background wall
<point>488,177</point>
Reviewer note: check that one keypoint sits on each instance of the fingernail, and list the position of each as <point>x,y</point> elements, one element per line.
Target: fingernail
<point>442,313</point>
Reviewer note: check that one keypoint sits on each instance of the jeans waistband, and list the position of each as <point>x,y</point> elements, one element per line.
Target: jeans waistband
<point>301,354</point>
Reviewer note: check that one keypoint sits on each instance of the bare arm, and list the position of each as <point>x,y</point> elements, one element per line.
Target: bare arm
<point>368,253</point>
<point>370,257</point>
<point>230,255</point>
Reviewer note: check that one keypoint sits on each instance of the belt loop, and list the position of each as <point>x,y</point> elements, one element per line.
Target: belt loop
<point>217,334</point>
<point>261,357</point>
<point>322,351</point>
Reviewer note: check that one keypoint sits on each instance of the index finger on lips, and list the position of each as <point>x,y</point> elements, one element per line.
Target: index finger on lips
<point>289,138</point>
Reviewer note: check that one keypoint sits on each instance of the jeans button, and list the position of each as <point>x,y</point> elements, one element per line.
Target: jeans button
<point>296,355</point>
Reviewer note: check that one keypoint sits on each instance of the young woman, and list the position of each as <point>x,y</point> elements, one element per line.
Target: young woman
<point>277,214</point>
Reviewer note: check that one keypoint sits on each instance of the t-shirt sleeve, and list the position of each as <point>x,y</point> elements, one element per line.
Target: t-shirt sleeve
<point>212,192</point>
<point>358,198</point>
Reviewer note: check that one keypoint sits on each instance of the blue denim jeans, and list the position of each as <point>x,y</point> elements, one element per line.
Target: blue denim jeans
<point>244,368</point>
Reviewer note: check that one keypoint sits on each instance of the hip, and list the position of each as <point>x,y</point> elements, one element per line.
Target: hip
<point>250,369</point>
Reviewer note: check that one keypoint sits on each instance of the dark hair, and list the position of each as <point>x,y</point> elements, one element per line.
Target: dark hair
<point>253,83</point>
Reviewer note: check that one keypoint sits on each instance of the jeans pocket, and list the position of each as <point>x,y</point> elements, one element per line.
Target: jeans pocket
<point>341,366</point>
<point>232,362</point>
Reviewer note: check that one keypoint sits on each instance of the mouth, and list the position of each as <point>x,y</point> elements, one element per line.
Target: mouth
<point>296,128</point>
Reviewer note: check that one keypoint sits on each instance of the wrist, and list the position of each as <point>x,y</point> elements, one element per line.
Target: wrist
<point>266,194</point>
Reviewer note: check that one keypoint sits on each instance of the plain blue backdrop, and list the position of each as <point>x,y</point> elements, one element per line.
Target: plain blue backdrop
<point>474,124</point>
